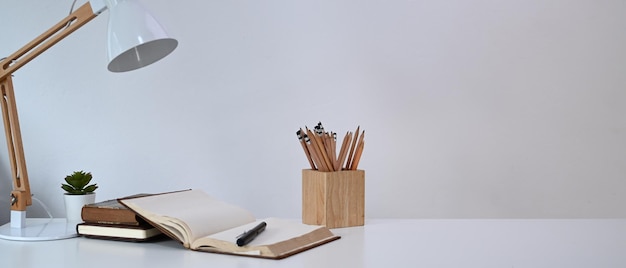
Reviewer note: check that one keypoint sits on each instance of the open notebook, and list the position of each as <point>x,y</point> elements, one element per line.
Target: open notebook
<point>203,223</point>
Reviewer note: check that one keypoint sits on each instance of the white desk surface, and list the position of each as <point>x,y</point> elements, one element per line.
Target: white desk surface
<point>380,243</point>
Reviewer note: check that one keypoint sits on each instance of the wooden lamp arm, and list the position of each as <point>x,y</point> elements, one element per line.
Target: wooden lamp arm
<point>56,33</point>
<point>21,195</point>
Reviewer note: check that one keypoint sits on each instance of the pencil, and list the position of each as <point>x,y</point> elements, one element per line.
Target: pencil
<point>306,150</point>
<point>352,148</point>
<point>359,151</point>
<point>328,144</point>
<point>319,130</point>
<point>333,151</point>
<point>314,155</point>
<point>343,151</point>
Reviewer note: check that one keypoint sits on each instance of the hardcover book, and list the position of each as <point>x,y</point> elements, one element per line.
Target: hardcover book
<point>203,223</point>
<point>110,212</point>
<point>135,233</point>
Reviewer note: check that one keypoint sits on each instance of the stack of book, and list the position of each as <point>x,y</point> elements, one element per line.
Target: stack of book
<point>200,223</point>
<point>112,220</point>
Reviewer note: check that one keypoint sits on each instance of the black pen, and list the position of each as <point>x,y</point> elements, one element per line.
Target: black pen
<point>247,236</point>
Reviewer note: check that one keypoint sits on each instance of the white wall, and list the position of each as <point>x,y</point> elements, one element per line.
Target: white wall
<point>471,108</point>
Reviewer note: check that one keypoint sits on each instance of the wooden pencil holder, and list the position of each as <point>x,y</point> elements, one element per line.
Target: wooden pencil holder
<point>334,199</point>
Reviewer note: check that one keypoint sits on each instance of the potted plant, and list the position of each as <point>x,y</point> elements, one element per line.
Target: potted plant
<point>78,193</point>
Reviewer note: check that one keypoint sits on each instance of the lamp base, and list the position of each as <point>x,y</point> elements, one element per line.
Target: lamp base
<point>40,229</point>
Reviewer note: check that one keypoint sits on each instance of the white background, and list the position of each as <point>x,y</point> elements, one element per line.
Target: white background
<point>472,109</point>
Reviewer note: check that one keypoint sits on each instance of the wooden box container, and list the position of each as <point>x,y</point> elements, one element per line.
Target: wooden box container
<point>334,199</point>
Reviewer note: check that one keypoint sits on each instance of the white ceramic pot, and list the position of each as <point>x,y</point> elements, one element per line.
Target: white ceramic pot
<point>74,204</point>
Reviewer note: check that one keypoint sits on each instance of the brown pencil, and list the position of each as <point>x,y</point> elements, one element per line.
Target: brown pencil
<point>333,151</point>
<point>306,150</point>
<point>352,148</point>
<point>359,151</point>
<point>329,149</point>
<point>311,147</point>
<point>343,151</point>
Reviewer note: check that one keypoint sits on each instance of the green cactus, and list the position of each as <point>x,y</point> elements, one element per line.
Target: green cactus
<point>77,183</point>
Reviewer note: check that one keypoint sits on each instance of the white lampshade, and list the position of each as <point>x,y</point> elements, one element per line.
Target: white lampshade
<point>136,39</point>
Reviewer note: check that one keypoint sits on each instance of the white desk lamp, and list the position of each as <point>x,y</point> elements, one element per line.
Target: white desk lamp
<point>135,40</point>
